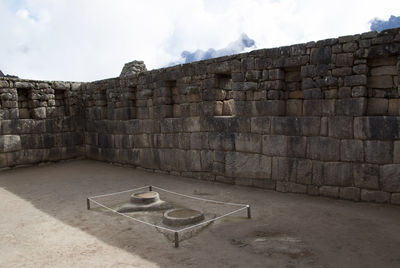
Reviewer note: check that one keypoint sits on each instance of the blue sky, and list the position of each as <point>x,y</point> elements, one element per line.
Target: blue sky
<point>86,40</point>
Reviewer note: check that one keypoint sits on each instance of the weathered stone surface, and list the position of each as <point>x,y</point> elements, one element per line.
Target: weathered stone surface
<point>396,152</point>
<point>247,165</point>
<point>355,80</point>
<point>351,106</point>
<point>366,176</point>
<point>341,127</point>
<point>10,143</point>
<point>375,196</point>
<point>323,148</point>
<point>390,178</point>
<point>39,113</point>
<point>274,145</point>
<point>329,191</point>
<point>320,55</point>
<point>350,193</point>
<point>378,152</point>
<point>377,127</point>
<point>352,150</point>
<point>290,187</point>
<point>261,125</point>
<point>248,142</point>
<point>395,199</point>
<point>338,174</point>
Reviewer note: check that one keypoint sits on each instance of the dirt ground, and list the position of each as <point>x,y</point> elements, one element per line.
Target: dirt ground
<point>44,223</point>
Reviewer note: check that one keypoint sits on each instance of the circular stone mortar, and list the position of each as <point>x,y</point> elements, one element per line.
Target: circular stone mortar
<point>182,216</point>
<point>145,197</point>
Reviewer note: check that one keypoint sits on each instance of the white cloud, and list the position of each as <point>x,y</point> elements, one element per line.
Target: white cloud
<point>86,40</point>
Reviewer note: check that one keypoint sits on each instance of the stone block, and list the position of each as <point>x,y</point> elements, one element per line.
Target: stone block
<point>351,150</point>
<point>383,82</point>
<point>329,191</point>
<point>375,196</point>
<point>343,71</point>
<point>312,190</point>
<point>225,124</point>
<point>396,152</point>
<point>378,152</point>
<point>359,91</point>
<point>39,113</point>
<point>395,199</point>
<point>245,165</point>
<point>344,59</point>
<point>312,107</point>
<point>304,171</point>
<point>284,169</point>
<point>323,148</point>
<point>338,174</point>
<point>261,125</point>
<point>248,142</point>
<point>10,143</point>
<point>191,124</point>
<point>290,187</point>
<point>294,107</point>
<point>366,176</point>
<point>394,107</point>
<point>383,70</point>
<point>340,127</point>
<point>309,125</point>
<point>199,140</point>
<point>274,145</point>
<point>351,106</point>
<point>377,106</point>
<point>270,107</point>
<point>377,127</point>
<point>312,94</point>
<point>350,193</point>
<point>296,146</point>
<point>355,80</point>
<point>286,125</point>
<point>390,178</point>
<point>321,55</point>
<point>221,141</point>
<point>276,74</point>
<point>360,69</point>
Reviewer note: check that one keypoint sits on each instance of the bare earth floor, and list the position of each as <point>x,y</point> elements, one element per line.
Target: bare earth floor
<point>44,223</point>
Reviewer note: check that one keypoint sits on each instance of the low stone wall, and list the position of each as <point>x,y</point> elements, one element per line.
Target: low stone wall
<point>40,121</point>
<point>321,118</point>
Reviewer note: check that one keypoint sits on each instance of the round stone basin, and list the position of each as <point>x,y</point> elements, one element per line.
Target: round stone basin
<point>145,197</point>
<point>182,216</point>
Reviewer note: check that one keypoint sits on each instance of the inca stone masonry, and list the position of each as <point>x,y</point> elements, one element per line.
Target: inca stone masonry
<point>321,118</point>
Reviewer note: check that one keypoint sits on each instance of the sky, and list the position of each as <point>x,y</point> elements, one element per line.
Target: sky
<point>87,40</point>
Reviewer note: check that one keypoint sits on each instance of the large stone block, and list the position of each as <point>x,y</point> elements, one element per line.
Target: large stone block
<point>284,169</point>
<point>378,152</point>
<point>323,148</point>
<point>350,193</point>
<point>377,127</point>
<point>351,106</point>
<point>375,196</point>
<point>396,152</point>
<point>261,125</point>
<point>285,125</point>
<point>341,127</point>
<point>366,176</point>
<point>221,141</point>
<point>225,124</point>
<point>248,142</point>
<point>10,143</point>
<point>296,146</point>
<point>390,178</point>
<point>274,145</point>
<point>245,165</point>
<point>351,150</point>
<point>344,59</point>
<point>329,191</point>
<point>338,174</point>
<point>270,107</point>
<point>312,107</point>
<point>290,187</point>
<point>321,55</point>
<point>377,106</point>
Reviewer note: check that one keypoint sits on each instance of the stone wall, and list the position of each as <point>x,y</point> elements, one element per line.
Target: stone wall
<point>40,121</point>
<point>321,118</point>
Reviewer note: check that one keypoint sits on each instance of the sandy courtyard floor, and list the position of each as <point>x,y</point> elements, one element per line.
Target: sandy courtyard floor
<point>44,223</point>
